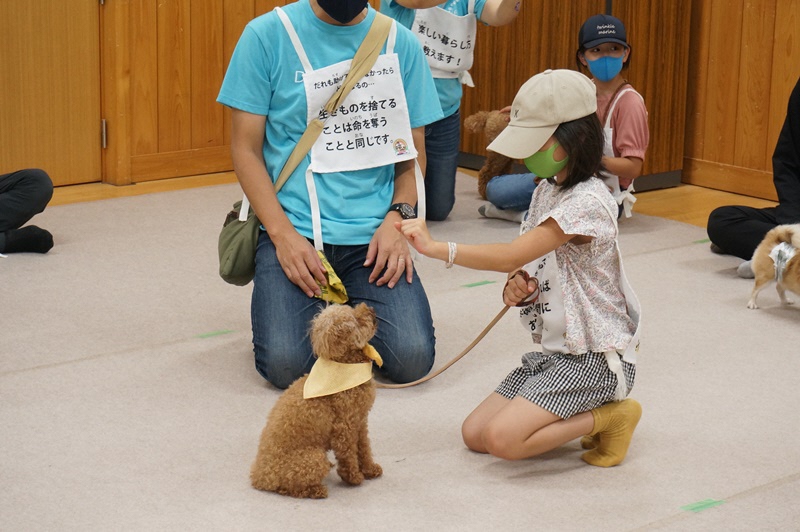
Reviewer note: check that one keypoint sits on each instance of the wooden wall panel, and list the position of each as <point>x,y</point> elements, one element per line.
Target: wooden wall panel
<point>755,67</point>
<point>207,69</point>
<point>785,68</point>
<point>744,62</point>
<point>144,79</point>
<point>659,71</point>
<point>174,35</point>
<point>698,80</point>
<point>725,48</point>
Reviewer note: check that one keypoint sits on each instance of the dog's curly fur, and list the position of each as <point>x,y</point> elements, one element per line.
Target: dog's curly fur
<point>764,267</point>
<point>292,454</point>
<point>492,123</point>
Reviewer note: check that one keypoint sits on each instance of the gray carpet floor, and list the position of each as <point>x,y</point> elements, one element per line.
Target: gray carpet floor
<point>129,401</point>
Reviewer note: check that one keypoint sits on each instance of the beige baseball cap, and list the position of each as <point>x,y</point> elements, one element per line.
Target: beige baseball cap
<point>541,104</point>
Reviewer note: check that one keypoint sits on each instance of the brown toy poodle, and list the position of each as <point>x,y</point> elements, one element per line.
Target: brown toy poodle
<point>324,410</point>
<point>491,123</point>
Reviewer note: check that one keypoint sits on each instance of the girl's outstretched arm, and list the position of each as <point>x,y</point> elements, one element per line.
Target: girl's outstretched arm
<point>501,257</point>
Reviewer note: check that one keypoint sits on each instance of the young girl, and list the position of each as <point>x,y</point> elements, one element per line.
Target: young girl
<point>586,316</point>
<point>603,49</point>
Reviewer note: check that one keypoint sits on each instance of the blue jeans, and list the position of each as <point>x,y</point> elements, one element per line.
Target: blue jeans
<point>281,314</point>
<point>442,139</point>
<point>511,191</point>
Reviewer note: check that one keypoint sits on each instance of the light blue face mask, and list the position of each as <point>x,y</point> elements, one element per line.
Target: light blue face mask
<point>605,68</point>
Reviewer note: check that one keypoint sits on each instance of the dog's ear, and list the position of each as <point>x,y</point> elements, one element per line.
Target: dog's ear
<point>367,324</point>
<point>476,122</point>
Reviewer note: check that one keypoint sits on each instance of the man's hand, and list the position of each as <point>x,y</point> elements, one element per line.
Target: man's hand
<point>300,262</point>
<point>388,253</point>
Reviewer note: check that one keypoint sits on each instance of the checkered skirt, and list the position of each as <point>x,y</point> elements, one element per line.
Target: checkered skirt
<point>565,384</point>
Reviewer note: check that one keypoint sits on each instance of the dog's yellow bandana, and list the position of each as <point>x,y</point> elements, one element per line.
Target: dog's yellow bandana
<point>328,377</point>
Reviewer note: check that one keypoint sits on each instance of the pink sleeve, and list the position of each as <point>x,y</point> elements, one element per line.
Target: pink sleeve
<point>631,133</point>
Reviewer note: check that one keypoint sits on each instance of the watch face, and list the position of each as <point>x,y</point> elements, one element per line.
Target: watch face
<point>407,211</point>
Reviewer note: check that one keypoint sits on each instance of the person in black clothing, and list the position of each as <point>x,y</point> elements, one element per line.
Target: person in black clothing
<point>737,229</point>
<point>24,194</point>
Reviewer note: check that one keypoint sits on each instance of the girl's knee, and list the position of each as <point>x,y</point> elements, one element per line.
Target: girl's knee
<point>471,434</point>
<point>498,444</point>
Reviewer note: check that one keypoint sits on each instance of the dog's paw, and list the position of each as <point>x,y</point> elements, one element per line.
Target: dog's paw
<point>309,492</point>
<point>354,478</point>
<point>752,304</point>
<point>372,471</point>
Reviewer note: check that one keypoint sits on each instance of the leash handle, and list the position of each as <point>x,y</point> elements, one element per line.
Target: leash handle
<point>454,360</point>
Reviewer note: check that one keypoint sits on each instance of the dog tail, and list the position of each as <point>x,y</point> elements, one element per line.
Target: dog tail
<point>476,122</point>
<point>786,233</point>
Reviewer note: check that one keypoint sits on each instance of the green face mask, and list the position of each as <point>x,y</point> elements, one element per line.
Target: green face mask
<point>542,163</point>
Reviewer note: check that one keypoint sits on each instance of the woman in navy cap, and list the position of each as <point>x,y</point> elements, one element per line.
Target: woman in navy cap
<point>603,51</point>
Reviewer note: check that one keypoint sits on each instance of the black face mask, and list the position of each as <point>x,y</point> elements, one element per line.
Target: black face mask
<point>343,11</point>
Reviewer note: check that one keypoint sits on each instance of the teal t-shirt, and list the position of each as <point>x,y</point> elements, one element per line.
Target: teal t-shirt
<point>449,90</point>
<point>264,77</point>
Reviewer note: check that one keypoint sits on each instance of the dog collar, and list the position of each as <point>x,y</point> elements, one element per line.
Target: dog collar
<point>781,254</point>
<point>327,377</point>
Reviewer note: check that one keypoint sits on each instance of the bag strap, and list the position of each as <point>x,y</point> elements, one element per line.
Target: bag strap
<point>362,63</point>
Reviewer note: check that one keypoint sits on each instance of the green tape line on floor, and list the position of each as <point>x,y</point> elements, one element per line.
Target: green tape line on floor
<point>702,505</point>
<point>704,241</point>
<point>214,333</point>
<point>479,283</point>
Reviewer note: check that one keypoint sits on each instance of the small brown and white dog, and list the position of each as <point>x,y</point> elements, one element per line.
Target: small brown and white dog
<point>777,258</point>
<point>324,410</point>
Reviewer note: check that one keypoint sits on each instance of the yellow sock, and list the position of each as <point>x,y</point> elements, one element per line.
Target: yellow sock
<point>614,424</point>
<point>590,442</point>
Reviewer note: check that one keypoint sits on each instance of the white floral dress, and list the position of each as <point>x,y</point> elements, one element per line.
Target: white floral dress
<point>581,312</point>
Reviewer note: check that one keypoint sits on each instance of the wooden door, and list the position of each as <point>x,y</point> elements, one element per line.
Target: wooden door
<point>163,64</point>
<point>50,88</point>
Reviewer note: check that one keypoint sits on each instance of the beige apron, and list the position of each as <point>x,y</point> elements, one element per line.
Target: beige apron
<point>551,302</point>
<point>448,41</point>
<point>623,197</point>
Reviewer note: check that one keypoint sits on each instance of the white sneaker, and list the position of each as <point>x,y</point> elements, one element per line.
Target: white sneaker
<point>490,211</point>
<point>745,270</point>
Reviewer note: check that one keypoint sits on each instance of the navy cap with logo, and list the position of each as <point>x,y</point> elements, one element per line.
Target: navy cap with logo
<point>600,29</point>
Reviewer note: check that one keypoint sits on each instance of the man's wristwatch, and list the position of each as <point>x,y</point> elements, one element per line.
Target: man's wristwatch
<point>405,210</point>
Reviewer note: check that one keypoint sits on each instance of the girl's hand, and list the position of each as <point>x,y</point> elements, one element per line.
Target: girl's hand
<point>518,288</point>
<point>416,232</point>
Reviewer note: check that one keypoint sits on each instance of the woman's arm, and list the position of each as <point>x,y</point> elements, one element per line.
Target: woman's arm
<point>495,12</point>
<point>500,12</point>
